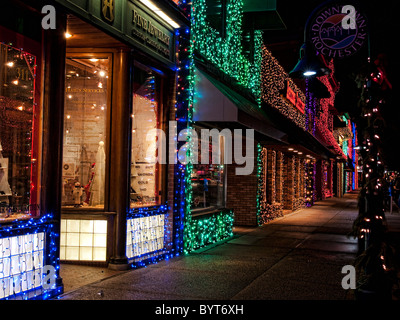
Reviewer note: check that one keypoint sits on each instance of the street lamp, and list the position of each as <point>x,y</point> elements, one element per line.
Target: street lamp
<point>310,64</point>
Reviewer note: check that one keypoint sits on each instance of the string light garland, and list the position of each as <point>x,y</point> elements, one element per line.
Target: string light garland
<point>148,235</point>
<point>309,171</point>
<point>22,233</point>
<point>227,52</point>
<point>323,123</point>
<point>274,81</point>
<point>377,268</point>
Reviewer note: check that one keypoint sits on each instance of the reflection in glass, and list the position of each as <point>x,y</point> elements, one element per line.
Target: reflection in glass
<point>208,185</point>
<point>144,167</point>
<point>85,115</point>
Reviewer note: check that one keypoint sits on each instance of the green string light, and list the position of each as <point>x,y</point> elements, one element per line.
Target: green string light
<point>227,53</point>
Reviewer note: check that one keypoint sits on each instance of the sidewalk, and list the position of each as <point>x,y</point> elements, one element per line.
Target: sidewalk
<point>298,256</point>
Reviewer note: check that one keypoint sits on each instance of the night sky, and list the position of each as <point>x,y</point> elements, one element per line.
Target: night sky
<point>384,26</point>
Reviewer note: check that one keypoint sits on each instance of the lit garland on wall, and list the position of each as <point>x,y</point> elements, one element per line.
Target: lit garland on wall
<point>310,110</point>
<point>33,226</point>
<point>261,183</point>
<point>280,184</point>
<point>322,117</point>
<point>209,229</point>
<point>227,53</point>
<point>271,176</point>
<point>309,182</point>
<point>274,80</point>
<point>267,208</point>
<point>183,115</point>
<point>148,235</point>
<point>192,232</point>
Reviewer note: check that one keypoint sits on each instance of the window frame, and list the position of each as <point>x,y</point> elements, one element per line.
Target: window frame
<point>161,170</point>
<point>207,210</point>
<point>97,53</point>
<point>34,48</point>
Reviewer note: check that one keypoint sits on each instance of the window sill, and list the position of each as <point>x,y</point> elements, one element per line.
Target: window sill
<point>206,211</point>
<point>14,218</point>
<point>84,213</point>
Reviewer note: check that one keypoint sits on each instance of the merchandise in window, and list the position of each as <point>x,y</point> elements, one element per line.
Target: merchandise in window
<point>19,117</point>
<point>85,116</point>
<point>145,119</point>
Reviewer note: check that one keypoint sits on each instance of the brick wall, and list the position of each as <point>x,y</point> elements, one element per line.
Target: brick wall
<point>242,193</point>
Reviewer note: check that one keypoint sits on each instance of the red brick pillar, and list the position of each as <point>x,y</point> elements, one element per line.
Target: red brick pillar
<point>241,193</point>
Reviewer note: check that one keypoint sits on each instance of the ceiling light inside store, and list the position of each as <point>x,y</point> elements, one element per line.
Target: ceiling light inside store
<point>160,13</point>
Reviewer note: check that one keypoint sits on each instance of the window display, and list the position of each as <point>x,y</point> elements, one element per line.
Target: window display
<point>85,116</point>
<point>18,134</point>
<point>208,180</point>
<point>145,118</point>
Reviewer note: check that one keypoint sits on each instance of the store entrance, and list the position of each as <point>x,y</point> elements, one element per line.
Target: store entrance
<point>87,233</point>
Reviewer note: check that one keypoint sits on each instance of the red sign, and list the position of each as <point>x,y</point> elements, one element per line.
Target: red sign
<point>290,95</point>
<point>300,105</point>
<point>295,99</point>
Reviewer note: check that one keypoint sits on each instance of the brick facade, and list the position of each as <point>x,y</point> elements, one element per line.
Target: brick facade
<point>241,193</point>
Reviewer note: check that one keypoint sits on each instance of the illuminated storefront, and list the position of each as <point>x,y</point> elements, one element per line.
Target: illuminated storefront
<point>29,217</point>
<point>80,181</point>
<point>119,93</point>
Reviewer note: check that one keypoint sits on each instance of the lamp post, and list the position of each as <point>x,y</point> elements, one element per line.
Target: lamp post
<point>374,263</point>
<point>310,63</point>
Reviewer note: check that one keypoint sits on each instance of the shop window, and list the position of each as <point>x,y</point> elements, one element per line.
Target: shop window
<point>208,180</point>
<point>19,127</point>
<point>85,123</point>
<point>146,109</point>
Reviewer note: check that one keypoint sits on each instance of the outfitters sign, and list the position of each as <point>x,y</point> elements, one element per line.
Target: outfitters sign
<point>338,31</point>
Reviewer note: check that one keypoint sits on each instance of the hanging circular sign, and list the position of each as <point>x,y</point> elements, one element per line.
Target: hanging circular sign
<point>338,31</point>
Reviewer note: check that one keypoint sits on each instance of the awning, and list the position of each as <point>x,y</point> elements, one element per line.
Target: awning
<point>216,102</point>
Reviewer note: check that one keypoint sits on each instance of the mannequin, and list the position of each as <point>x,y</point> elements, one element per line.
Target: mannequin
<point>97,185</point>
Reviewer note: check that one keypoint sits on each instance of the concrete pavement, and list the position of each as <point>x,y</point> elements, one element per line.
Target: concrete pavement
<point>298,256</point>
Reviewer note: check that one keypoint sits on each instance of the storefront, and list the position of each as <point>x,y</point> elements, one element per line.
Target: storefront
<point>119,95</point>
<point>29,141</point>
<point>226,91</point>
<point>81,181</point>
